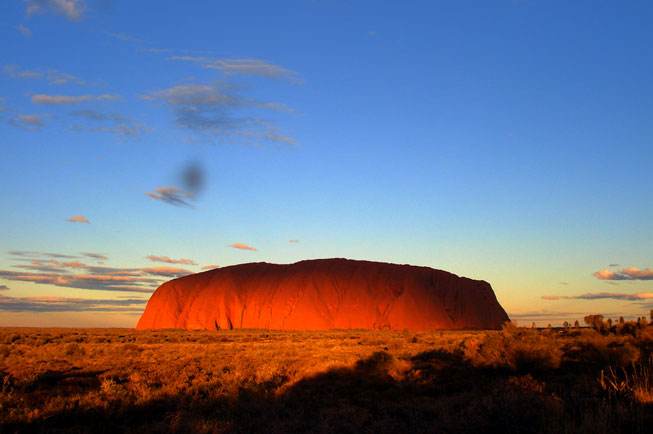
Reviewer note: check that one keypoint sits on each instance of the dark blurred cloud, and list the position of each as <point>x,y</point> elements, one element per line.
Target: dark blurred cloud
<point>193,178</point>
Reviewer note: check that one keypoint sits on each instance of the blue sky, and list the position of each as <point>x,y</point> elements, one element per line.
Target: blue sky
<point>508,141</point>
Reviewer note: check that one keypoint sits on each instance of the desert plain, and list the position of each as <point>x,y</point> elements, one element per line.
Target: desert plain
<point>516,380</point>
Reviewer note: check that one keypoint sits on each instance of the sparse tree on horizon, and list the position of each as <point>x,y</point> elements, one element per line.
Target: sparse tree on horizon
<point>594,321</point>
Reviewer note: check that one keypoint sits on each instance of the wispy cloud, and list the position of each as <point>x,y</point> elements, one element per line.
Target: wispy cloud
<point>78,219</point>
<point>93,115</point>
<point>141,44</point>
<point>169,260</point>
<point>4,288</point>
<point>28,122</point>
<point>155,50</point>
<point>253,67</point>
<point>51,265</point>
<point>65,304</point>
<point>45,99</point>
<point>166,271</point>
<point>171,195</point>
<point>630,273</point>
<point>192,179</point>
<point>543,315</point>
<point>52,76</point>
<point>73,10</point>
<point>101,282</point>
<point>24,30</point>
<point>96,256</point>
<point>242,246</point>
<point>113,123</point>
<point>125,37</point>
<point>210,267</point>
<point>34,254</point>
<point>219,110</point>
<point>71,273</point>
<point>601,296</point>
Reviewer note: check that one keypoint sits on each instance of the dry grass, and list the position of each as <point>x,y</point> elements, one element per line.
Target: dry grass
<point>516,380</point>
<point>635,381</point>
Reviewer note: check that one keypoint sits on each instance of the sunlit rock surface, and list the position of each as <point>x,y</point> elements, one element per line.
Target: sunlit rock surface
<point>324,294</point>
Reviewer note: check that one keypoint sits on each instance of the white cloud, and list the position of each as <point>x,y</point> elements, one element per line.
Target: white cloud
<point>28,122</point>
<point>220,111</point>
<point>71,99</point>
<point>113,123</point>
<point>24,30</point>
<point>52,76</point>
<point>243,66</point>
<point>71,9</point>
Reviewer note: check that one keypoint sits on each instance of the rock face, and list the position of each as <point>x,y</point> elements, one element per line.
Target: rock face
<point>323,294</point>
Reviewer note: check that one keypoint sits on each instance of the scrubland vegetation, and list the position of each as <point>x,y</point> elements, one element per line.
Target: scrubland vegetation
<point>518,380</point>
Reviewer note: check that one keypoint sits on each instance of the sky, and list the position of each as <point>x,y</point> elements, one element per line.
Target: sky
<point>509,141</point>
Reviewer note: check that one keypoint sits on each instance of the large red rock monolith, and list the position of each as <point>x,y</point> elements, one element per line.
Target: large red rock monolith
<point>323,294</point>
